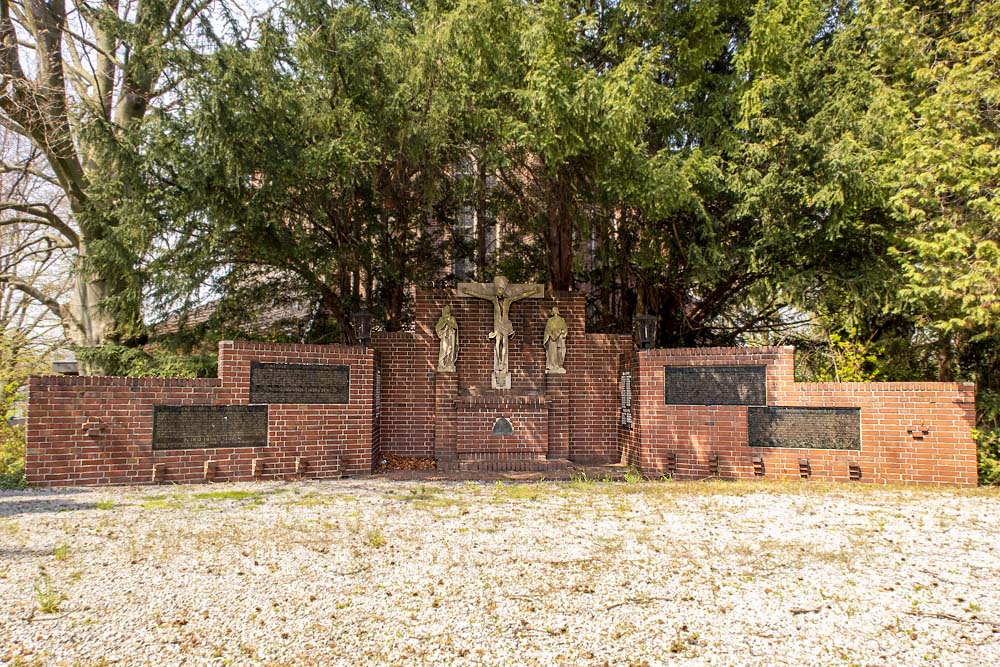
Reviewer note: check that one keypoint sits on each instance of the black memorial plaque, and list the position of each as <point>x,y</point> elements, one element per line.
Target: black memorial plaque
<point>715,385</point>
<point>502,426</point>
<point>299,383</point>
<point>812,428</point>
<point>209,426</point>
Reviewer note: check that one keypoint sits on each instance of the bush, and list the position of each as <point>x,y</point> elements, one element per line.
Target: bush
<point>111,359</point>
<point>11,457</point>
<point>987,436</point>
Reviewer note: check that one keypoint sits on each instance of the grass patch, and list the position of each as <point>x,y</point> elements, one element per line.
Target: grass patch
<point>316,500</point>
<point>252,496</point>
<point>104,504</point>
<point>161,503</point>
<point>49,599</point>
<point>519,491</point>
<point>375,538</point>
<point>61,552</point>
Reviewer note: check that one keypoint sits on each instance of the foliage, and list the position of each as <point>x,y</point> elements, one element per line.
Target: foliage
<point>19,358</point>
<point>987,436</point>
<point>11,456</point>
<point>79,77</point>
<point>152,361</point>
<point>841,358</point>
<point>943,68</point>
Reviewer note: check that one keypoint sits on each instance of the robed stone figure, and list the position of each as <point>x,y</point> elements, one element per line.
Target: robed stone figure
<point>502,294</point>
<point>555,343</point>
<point>447,332</point>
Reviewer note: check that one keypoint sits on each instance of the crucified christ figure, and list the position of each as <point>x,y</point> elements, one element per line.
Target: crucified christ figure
<point>502,294</point>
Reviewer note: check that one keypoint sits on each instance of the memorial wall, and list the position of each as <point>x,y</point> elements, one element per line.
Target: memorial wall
<point>738,413</point>
<point>275,411</point>
<point>546,397</point>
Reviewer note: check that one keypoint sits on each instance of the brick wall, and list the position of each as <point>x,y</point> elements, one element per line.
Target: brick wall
<point>910,432</point>
<point>590,385</point>
<point>407,424</point>
<point>99,430</point>
<point>476,416</point>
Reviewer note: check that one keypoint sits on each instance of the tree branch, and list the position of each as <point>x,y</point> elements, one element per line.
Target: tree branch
<point>46,217</point>
<point>54,306</point>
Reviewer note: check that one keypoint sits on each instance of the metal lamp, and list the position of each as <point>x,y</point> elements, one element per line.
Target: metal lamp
<point>645,331</point>
<point>362,323</point>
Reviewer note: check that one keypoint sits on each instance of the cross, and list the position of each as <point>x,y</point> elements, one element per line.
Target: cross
<point>501,293</point>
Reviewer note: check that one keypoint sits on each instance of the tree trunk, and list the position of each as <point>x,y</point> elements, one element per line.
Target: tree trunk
<point>559,235</point>
<point>91,324</point>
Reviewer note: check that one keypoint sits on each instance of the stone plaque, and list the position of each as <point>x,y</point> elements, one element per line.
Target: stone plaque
<point>209,426</point>
<point>715,385</point>
<point>502,426</point>
<point>812,428</point>
<point>299,383</point>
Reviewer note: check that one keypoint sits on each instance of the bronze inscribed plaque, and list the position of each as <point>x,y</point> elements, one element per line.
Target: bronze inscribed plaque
<point>715,385</point>
<point>811,428</point>
<point>209,426</point>
<point>299,383</point>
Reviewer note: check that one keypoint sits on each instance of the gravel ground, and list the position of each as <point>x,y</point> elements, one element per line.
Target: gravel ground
<point>379,572</point>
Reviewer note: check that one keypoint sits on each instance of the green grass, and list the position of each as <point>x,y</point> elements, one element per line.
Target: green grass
<point>61,552</point>
<point>375,538</point>
<point>161,503</point>
<point>104,504</point>
<point>521,491</point>
<point>49,599</point>
<point>230,495</point>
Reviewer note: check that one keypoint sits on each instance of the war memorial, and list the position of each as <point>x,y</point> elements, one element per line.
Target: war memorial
<point>496,377</point>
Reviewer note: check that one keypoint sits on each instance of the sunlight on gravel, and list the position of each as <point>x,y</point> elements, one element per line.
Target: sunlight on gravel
<point>377,572</point>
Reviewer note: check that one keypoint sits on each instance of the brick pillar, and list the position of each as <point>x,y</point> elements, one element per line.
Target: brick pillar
<point>557,399</point>
<point>445,417</point>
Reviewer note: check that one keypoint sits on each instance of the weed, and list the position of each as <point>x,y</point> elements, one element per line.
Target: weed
<point>633,476</point>
<point>375,538</point>
<point>251,496</point>
<point>161,503</point>
<point>61,552</point>
<point>520,491</point>
<point>104,504</point>
<point>49,599</point>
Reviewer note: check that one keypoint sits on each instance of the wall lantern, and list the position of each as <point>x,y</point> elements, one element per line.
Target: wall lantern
<point>645,331</point>
<point>362,323</point>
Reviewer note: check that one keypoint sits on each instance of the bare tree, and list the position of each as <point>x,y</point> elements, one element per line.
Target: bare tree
<point>64,66</point>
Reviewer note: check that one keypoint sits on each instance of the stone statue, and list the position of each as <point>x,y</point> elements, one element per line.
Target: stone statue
<point>555,343</point>
<point>447,332</point>
<point>502,294</point>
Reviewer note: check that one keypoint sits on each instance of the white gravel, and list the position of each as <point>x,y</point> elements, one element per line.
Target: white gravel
<point>379,572</point>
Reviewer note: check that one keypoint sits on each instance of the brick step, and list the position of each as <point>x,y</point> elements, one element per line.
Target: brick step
<point>513,465</point>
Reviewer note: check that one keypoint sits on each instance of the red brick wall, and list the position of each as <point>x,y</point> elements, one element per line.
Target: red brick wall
<point>407,424</point>
<point>595,397</point>
<point>944,454</point>
<point>477,415</point>
<point>98,430</point>
<point>410,362</point>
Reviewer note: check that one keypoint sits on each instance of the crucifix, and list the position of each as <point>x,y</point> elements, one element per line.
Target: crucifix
<point>501,294</point>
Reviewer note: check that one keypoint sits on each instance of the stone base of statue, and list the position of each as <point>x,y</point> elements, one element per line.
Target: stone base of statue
<point>555,371</point>
<point>501,379</point>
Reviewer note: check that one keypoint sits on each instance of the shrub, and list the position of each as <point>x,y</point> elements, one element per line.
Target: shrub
<point>111,359</point>
<point>11,457</point>
<point>987,436</point>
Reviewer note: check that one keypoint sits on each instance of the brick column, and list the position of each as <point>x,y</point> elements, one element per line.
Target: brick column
<point>557,399</point>
<point>445,394</point>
